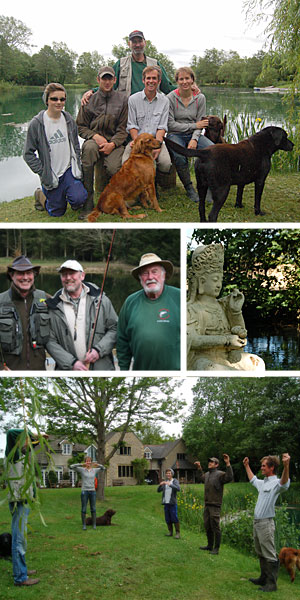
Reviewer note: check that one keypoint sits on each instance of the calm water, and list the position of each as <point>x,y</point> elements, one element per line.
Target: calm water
<point>279,348</point>
<point>17,109</point>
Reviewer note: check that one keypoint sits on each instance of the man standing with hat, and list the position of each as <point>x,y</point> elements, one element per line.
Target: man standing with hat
<point>149,321</point>
<point>102,123</point>
<point>72,319</point>
<point>24,319</point>
<point>214,481</point>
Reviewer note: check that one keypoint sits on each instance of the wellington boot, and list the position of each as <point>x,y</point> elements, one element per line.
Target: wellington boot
<point>94,520</point>
<point>170,528</point>
<point>261,580</point>
<point>272,568</point>
<point>177,527</point>
<point>83,520</point>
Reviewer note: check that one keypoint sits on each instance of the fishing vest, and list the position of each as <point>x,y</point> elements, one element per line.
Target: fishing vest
<point>11,336</point>
<point>126,73</point>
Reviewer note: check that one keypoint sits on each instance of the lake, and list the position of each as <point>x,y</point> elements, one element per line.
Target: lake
<point>17,109</point>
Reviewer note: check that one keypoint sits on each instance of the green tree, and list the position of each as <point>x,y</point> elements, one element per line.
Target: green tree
<point>88,66</point>
<point>140,469</point>
<point>151,433</point>
<point>88,408</point>
<point>65,60</point>
<point>45,65</point>
<point>14,36</point>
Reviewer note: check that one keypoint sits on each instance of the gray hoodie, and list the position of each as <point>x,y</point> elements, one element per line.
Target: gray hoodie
<point>36,142</point>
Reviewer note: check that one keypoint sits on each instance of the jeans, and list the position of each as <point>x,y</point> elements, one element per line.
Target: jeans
<point>183,139</point>
<point>69,190</point>
<point>171,515</point>
<point>20,512</point>
<point>85,496</point>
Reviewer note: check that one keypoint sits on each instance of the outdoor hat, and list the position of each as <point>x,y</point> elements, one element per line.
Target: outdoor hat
<point>150,259</point>
<point>214,459</point>
<point>22,263</point>
<point>169,469</point>
<point>136,33</point>
<point>106,71</point>
<point>74,265</point>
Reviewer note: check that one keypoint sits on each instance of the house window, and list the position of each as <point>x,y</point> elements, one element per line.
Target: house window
<point>92,452</point>
<point>125,471</point>
<point>147,454</point>
<point>125,450</point>
<point>180,456</point>
<point>67,449</point>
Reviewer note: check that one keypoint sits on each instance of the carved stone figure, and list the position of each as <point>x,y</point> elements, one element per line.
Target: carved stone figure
<point>216,333</point>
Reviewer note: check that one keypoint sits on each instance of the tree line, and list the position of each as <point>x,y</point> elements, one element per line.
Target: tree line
<point>90,244</point>
<point>60,63</point>
<point>242,417</point>
<point>264,264</point>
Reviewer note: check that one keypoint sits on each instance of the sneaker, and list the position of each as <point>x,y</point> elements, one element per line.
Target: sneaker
<point>28,582</point>
<point>39,199</point>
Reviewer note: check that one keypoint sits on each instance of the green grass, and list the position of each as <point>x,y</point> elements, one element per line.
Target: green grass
<point>132,560</point>
<point>280,201</point>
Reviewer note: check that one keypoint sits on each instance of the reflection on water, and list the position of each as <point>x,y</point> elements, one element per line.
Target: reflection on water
<point>279,349</point>
<point>18,181</point>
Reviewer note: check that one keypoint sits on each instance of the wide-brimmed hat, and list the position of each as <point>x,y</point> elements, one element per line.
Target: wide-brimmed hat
<point>151,259</point>
<point>22,263</point>
<point>74,265</point>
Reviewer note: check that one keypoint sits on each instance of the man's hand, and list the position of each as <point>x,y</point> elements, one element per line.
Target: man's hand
<point>246,462</point>
<point>85,98</point>
<point>107,147</point>
<point>201,124</point>
<point>155,153</point>
<point>286,459</point>
<point>99,139</point>
<point>79,366</point>
<point>192,145</point>
<point>198,465</point>
<point>91,356</point>
<point>226,459</point>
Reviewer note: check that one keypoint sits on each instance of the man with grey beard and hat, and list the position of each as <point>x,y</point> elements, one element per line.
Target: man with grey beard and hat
<point>149,320</point>
<point>214,481</point>
<point>24,319</point>
<point>73,311</point>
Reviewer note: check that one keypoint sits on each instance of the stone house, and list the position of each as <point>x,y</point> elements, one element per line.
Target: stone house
<point>170,454</point>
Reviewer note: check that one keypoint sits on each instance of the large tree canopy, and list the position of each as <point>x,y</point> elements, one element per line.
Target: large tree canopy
<point>87,408</point>
<point>245,417</point>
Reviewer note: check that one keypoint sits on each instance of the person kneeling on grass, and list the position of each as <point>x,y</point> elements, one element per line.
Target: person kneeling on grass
<point>52,151</point>
<point>88,472</point>
<point>169,489</point>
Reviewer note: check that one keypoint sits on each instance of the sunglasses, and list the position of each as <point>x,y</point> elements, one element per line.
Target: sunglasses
<point>55,99</point>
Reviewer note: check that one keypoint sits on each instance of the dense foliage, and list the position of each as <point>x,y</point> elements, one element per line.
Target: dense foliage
<point>264,264</point>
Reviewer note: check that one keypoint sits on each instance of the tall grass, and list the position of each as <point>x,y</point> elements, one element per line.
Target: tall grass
<point>242,126</point>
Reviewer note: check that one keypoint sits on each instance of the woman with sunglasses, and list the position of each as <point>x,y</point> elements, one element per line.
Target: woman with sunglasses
<point>52,151</point>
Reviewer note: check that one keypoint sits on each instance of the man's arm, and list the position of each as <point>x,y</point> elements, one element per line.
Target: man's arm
<point>286,468</point>
<point>29,153</point>
<point>247,467</point>
<point>132,123</point>
<point>124,353</point>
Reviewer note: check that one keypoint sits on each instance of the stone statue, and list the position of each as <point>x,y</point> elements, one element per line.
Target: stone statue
<point>216,333</point>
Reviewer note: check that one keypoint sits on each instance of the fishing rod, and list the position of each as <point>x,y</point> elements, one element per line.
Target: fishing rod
<point>93,330</point>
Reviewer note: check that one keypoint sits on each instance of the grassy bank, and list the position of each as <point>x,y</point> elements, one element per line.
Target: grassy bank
<point>132,559</point>
<point>280,201</point>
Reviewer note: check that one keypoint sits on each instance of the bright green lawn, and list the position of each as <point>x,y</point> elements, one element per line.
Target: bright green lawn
<point>280,201</point>
<point>132,560</point>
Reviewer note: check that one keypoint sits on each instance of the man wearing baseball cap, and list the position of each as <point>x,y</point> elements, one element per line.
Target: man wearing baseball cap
<point>102,123</point>
<point>149,320</point>
<point>73,317</point>
<point>214,481</point>
<point>24,319</point>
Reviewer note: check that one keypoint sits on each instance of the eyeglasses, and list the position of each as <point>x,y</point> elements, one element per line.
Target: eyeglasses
<point>55,99</point>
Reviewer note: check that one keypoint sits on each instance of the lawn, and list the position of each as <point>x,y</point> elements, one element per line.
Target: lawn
<point>280,202</point>
<point>132,559</point>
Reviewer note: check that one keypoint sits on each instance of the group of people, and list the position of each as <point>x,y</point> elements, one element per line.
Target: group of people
<point>214,479</point>
<point>135,96</point>
<point>79,327</point>
<point>19,443</point>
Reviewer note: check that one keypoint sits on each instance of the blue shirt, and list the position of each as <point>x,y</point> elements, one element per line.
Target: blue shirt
<point>146,116</point>
<point>269,489</point>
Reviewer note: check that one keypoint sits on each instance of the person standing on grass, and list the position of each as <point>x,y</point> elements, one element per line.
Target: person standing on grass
<point>214,481</point>
<point>88,472</point>
<point>264,527</point>
<point>169,489</point>
<point>52,151</point>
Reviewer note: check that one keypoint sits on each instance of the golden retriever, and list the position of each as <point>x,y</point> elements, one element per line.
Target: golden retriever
<point>135,178</point>
<point>290,559</point>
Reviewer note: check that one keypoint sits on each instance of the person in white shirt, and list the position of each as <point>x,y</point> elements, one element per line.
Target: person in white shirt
<point>52,151</point>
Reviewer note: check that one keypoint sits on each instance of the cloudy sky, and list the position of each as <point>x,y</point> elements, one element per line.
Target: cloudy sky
<point>177,29</point>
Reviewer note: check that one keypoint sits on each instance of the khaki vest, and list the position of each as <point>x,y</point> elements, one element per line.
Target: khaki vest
<point>126,73</point>
<point>11,338</point>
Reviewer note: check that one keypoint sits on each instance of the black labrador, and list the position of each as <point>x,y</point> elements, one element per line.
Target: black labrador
<point>5,545</point>
<point>222,165</point>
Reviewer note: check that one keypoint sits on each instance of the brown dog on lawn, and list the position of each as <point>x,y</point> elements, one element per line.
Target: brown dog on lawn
<point>135,178</point>
<point>222,165</point>
<point>290,559</point>
<point>104,520</point>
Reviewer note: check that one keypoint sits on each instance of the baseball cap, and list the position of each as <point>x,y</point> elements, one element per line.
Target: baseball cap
<point>106,71</point>
<point>74,265</point>
<point>136,33</point>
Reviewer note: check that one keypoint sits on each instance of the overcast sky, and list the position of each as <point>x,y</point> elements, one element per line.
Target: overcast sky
<point>177,29</point>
